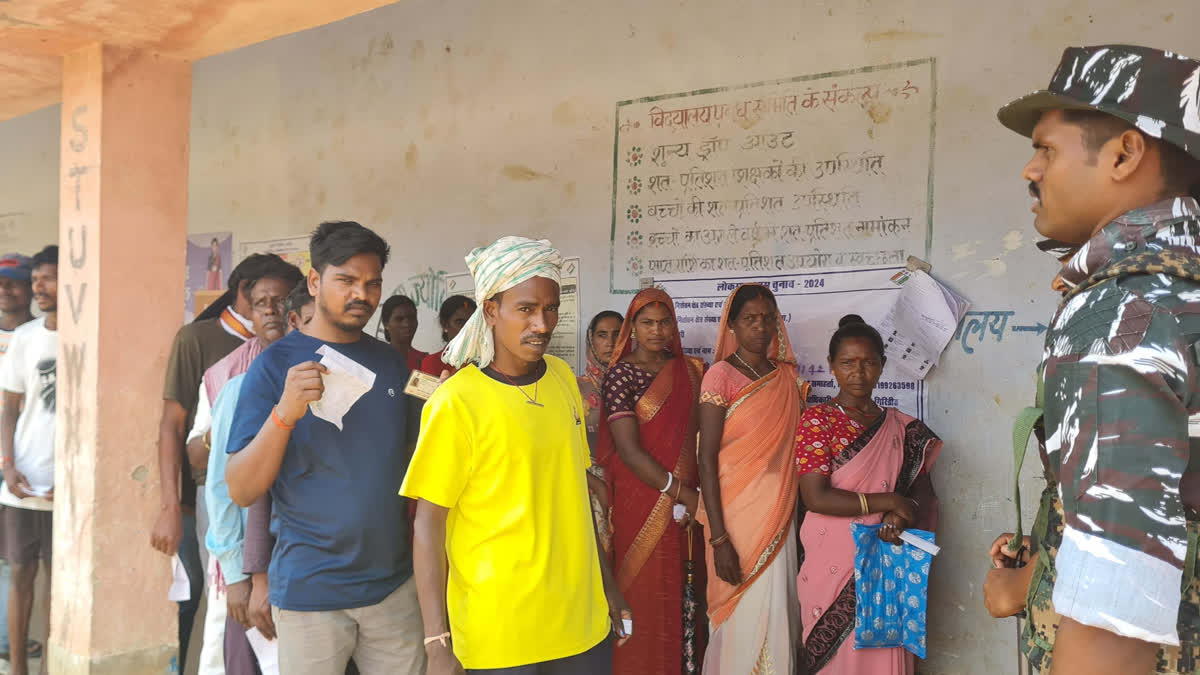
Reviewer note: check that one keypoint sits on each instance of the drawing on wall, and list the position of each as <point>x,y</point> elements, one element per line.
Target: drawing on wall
<point>291,249</point>
<point>209,261</point>
<point>817,171</point>
<point>427,290</point>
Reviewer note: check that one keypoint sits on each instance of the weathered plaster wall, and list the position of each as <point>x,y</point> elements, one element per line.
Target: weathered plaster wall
<point>445,125</point>
<point>29,181</point>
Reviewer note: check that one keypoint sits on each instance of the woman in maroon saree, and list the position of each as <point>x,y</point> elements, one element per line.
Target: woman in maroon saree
<point>648,447</point>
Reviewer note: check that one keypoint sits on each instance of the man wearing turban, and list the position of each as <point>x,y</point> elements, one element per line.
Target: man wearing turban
<point>499,475</point>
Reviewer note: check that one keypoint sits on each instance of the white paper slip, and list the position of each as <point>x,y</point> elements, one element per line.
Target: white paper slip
<point>266,651</point>
<point>181,588</point>
<point>927,546</point>
<point>345,383</point>
<point>680,512</point>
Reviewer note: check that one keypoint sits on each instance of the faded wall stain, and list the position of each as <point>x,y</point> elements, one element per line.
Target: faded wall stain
<point>564,114</point>
<point>962,251</point>
<point>521,172</point>
<point>880,112</point>
<point>1013,240</point>
<point>898,34</point>
<point>410,156</point>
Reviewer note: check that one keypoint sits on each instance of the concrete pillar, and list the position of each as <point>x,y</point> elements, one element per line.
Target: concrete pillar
<point>122,233</point>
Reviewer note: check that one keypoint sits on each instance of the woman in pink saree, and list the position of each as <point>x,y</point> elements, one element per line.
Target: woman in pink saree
<point>858,463</point>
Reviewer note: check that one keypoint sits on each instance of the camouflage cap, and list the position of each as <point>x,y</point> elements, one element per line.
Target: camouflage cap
<point>1156,91</point>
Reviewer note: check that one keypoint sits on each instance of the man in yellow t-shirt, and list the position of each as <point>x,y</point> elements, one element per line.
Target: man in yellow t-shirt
<point>499,472</point>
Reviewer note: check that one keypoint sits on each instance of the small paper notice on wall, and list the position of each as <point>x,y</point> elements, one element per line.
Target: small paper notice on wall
<point>345,383</point>
<point>921,323</point>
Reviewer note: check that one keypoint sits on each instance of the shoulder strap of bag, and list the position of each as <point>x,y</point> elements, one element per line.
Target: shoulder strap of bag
<point>1027,420</point>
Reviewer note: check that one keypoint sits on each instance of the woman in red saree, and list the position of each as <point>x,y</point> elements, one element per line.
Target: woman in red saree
<point>648,447</point>
<point>602,335</point>
<point>452,316</point>
<point>750,406</point>
<point>398,317</point>
<point>858,463</point>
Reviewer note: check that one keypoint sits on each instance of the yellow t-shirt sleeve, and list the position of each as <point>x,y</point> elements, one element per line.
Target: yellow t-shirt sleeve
<point>441,464</point>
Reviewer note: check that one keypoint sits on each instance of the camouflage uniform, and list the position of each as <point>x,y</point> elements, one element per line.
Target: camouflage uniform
<point>1120,379</point>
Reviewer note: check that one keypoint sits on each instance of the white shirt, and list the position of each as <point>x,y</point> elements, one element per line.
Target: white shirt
<point>29,368</point>
<point>203,421</point>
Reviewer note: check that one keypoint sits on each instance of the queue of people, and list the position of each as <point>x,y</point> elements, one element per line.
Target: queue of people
<point>542,496</point>
<point>656,514</point>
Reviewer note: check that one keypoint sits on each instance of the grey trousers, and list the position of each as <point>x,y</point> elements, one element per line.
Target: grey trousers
<point>384,639</point>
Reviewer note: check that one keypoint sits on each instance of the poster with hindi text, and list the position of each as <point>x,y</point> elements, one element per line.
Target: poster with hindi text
<point>818,171</point>
<point>811,302</point>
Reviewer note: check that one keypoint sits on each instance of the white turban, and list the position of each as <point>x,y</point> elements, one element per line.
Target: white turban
<point>497,268</point>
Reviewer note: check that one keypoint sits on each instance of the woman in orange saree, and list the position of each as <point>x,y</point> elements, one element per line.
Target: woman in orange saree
<point>751,401</point>
<point>648,447</point>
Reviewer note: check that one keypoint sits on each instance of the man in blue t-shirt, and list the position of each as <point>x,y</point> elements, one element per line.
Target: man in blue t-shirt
<point>341,571</point>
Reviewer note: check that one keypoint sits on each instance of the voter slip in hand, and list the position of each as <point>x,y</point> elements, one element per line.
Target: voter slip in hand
<point>345,383</point>
<point>265,651</point>
<point>181,588</point>
<point>927,546</point>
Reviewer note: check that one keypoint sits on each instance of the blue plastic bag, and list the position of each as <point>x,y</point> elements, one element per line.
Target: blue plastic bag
<point>891,588</point>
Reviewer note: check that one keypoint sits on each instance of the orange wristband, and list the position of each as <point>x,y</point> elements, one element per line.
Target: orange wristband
<point>279,421</point>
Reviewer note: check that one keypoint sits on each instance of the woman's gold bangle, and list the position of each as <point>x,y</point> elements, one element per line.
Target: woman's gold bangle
<point>862,501</point>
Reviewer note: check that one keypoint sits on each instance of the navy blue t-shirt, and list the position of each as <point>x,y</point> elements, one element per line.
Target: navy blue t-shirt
<point>341,527</point>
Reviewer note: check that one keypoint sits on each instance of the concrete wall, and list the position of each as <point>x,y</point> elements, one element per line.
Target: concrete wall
<point>445,125</point>
<point>29,181</point>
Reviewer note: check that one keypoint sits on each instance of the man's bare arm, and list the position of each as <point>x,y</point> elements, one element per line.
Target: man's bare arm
<point>251,471</point>
<point>429,569</point>
<point>168,528</point>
